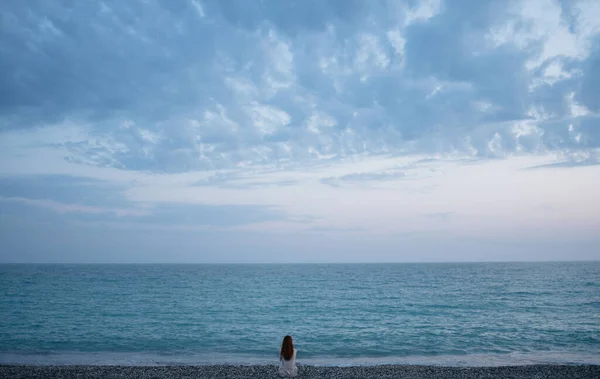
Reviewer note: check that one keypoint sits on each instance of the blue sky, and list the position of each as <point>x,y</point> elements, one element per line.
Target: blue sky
<point>299,131</point>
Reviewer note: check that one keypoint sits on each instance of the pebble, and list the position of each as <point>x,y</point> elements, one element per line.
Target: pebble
<point>306,372</point>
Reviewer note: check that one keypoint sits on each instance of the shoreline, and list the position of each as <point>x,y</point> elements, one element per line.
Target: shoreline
<point>304,371</point>
<point>102,358</point>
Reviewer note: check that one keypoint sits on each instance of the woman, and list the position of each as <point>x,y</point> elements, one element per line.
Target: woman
<point>287,358</point>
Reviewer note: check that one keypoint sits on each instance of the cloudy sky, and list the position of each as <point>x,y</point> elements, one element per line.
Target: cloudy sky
<point>299,131</point>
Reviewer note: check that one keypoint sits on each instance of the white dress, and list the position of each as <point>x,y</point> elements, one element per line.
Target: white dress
<point>288,368</point>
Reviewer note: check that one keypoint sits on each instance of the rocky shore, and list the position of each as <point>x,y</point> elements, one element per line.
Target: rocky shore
<point>308,372</point>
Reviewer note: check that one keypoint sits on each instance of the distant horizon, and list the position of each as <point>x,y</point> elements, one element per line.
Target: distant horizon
<point>288,263</point>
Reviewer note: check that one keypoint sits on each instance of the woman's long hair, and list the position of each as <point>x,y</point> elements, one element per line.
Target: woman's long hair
<point>287,348</point>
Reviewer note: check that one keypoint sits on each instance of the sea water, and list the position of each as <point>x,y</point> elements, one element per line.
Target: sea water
<point>338,314</point>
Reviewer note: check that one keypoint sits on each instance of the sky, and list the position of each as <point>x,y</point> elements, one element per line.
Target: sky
<point>299,131</point>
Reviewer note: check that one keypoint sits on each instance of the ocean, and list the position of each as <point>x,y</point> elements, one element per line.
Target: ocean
<point>476,314</point>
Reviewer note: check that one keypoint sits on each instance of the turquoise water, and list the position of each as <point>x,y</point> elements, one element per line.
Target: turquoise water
<point>456,314</point>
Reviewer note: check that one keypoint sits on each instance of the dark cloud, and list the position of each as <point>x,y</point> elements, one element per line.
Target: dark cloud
<point>588,95</point>
<point>163,87</point>
<point>63,189</point>
<point>106,58</point>
<point>165,215</point>
<point>291,17</point>
<point>82,199</point>
<point>152,77</point>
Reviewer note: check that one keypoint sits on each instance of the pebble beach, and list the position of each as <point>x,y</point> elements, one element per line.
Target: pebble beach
<point>308,372</point>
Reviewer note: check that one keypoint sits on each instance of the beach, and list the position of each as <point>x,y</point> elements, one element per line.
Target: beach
<point>308,372</point>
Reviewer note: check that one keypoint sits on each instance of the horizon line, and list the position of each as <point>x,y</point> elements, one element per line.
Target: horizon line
<point>295,263</point>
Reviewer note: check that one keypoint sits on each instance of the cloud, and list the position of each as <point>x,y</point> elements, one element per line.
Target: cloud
<point>86,199</point>
<point>273,112</point>
<point>386,86</point>
<point>571,160</point>
<point>363,177</point>
<point>213,215</point>
<point>62,189</point>
<point>234,180</point>
<point>329,229</point>
<point>591,72</point>
<point>158,216</point>
<point>198,8</point>
<point>268,120</point>
<point>567,164</point>
<point>62,208</point>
